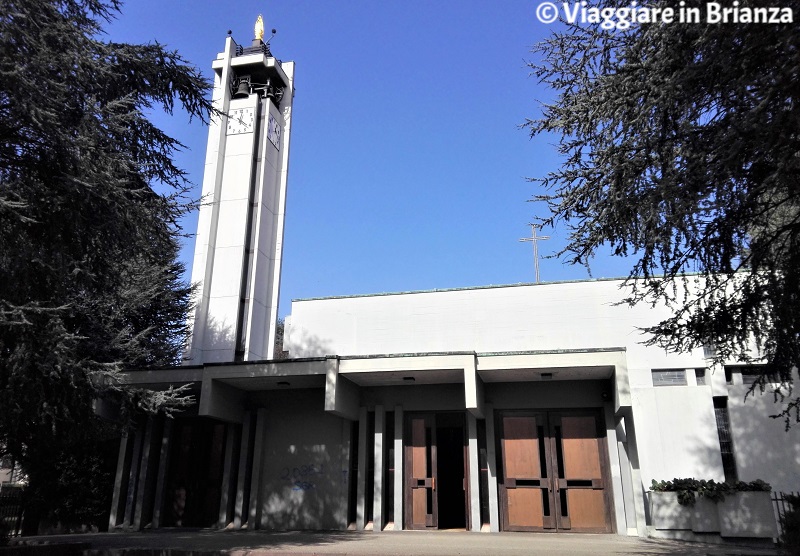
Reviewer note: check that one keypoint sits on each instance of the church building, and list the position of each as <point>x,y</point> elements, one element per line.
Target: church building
<point>529,407</point>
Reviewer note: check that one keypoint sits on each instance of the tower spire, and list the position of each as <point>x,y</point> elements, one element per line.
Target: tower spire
<point>239,244</point>
<point>258,30</point>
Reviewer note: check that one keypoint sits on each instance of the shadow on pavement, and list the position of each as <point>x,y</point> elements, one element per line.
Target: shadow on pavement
<point>183,542</point>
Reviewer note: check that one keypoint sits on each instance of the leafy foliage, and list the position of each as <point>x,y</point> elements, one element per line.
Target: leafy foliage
<point>714,491</point>
<point>681,152</point>
<point>279,352</point>
<point>90,201</point>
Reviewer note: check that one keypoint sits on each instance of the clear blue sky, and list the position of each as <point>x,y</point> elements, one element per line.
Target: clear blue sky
<point>408,166</point>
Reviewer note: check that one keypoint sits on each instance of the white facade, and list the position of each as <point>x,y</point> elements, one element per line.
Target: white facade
<point>567,325</point>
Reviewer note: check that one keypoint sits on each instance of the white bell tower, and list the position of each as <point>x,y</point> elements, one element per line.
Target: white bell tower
<point>237,258</point>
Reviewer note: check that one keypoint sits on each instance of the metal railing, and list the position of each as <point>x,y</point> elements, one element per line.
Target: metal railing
<point>780,506</point>
<point>11,509</point>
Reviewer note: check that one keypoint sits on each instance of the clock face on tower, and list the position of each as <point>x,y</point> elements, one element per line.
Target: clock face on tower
<point>240,120</point>
<point>274,132</point>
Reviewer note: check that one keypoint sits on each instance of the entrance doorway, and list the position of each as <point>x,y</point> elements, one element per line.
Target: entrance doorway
<point>554,472</point>
<point>436,474</point>
<point>195,473</point>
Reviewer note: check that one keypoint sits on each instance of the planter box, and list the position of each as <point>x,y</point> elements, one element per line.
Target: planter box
<point>743,514</point>
<point>747,514</point>
<point>667,513</point>
<point>705,516</point>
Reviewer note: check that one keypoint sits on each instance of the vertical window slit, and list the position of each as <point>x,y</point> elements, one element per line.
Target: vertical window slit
<point>559,453</point>
<point>542,452</point>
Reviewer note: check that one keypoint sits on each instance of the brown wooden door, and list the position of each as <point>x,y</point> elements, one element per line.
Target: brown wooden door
<point>581,490</point>
<point>526,490</point>
<point>421,501</point>
<point>554,472</point>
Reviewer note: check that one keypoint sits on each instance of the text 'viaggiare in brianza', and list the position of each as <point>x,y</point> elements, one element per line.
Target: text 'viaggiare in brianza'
<point>713,13</point>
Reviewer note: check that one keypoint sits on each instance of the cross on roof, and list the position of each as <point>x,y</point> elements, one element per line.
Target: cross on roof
<point>535,240</point>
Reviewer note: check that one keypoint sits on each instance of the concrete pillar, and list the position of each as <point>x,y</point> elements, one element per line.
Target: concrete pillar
<point>254,518</point>
<point>225,497</point>
<point>163,469</point>
<point>118,499</point>
<point>243,480</point>
<point>398,468</point>
<point>627,480</point>
<point>145,477</point>
<point>344,491</point>
<point>614,469</point>
<point>362,468</point>
<point>133,475</point>
<point>473,388</point>
<point>491,462</point>
<point>636,476</point>
<point>377,471</point>
<point>474,474</point>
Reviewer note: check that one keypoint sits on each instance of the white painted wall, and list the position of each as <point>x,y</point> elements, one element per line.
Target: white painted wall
<point>569,315</point>
<point>676,433</point>
<point>764,450</point>
<point>304,477</point>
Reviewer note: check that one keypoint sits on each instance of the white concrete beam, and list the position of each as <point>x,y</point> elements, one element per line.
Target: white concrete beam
<point>473,390</point>
<point>221,401</point>
<point>342,397</point>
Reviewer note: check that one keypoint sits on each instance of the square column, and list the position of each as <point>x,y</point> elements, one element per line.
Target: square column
<point>627,480</point>
<point>615,471</point>
<point>474,474</point>
<point>243,481</point>
<point>362,469</point>
<point>377,472</point>
<point>145,477</point>
<point>491,462</point>
<point>636,475</point>
<point>398,468</point>
<point>161,478</point>
<point>120,481</point>
<point>254,519</point>
<point>225,499</point>
<point>133,476</point>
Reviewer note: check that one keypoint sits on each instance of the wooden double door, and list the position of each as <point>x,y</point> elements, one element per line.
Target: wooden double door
<point>436,491</point>
<point>554,468</point>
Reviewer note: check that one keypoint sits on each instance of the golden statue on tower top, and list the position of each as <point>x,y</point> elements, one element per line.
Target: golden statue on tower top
<point>259,28</point>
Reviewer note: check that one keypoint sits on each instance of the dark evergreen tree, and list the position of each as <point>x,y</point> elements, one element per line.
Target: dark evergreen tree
<point>90,199</point>
<point>681,152</point>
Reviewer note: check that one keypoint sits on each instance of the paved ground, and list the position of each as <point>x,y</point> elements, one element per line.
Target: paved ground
<point>405,543</point>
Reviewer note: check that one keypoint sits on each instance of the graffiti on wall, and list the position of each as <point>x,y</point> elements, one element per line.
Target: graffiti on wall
<point>303,477</point>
